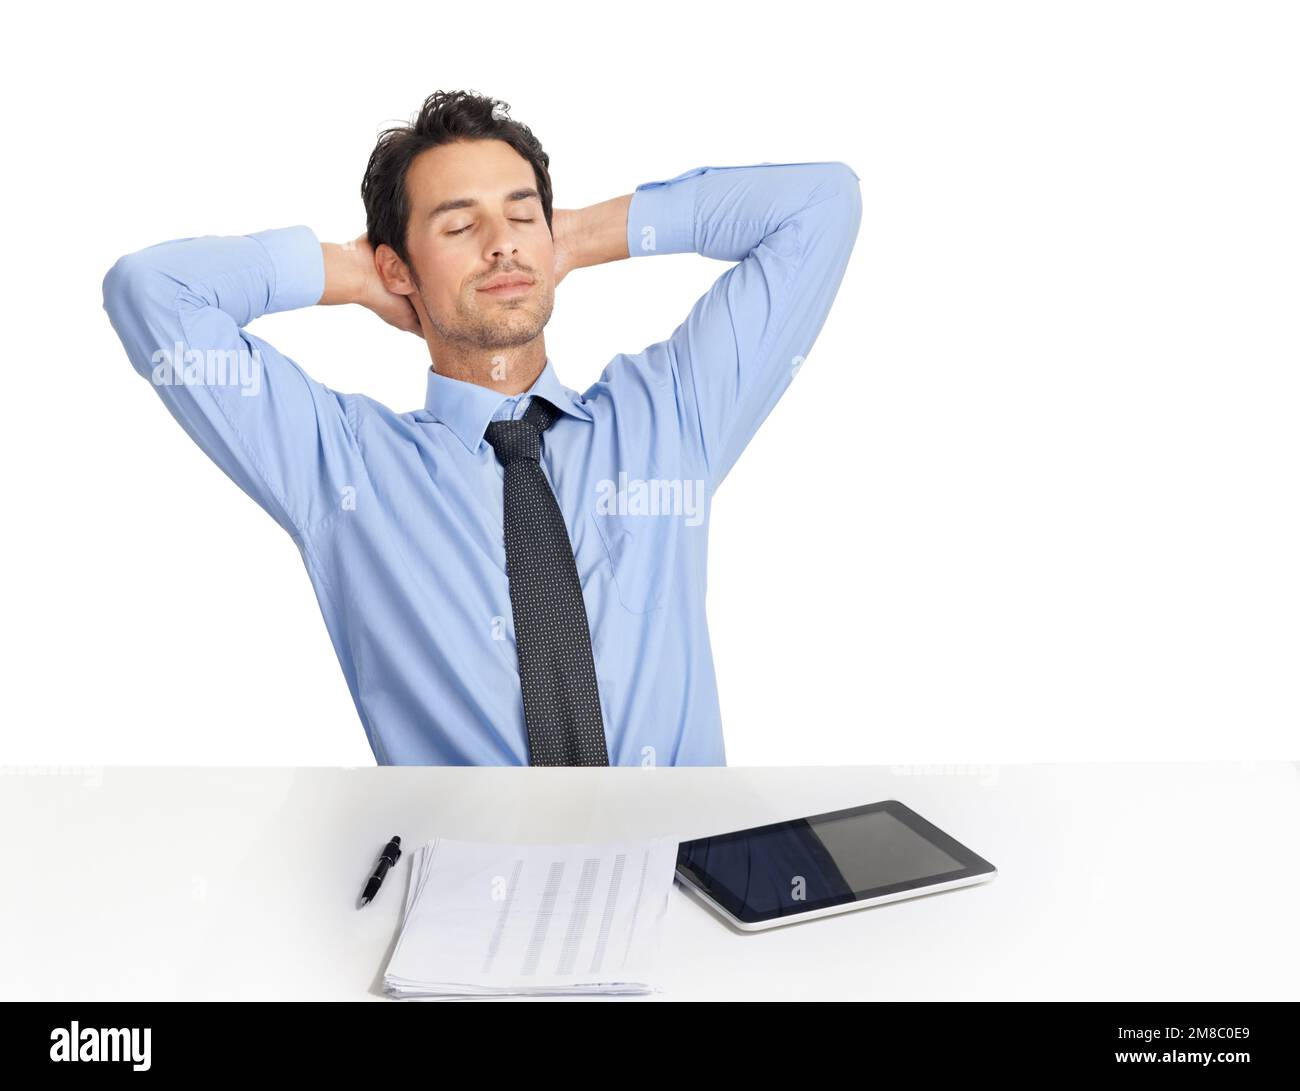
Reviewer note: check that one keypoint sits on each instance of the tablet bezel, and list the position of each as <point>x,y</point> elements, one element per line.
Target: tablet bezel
<point>974,869</point>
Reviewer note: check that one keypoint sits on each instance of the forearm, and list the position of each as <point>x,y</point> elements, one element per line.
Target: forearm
<point>346,273</point>
<point>595,234</point>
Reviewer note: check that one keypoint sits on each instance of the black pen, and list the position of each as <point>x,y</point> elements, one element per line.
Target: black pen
<point>392,851</point>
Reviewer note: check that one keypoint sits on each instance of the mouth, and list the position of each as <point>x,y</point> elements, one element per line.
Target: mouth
<point>508,286</point>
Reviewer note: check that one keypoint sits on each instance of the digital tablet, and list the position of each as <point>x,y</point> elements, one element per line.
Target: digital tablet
<point>829,863</point>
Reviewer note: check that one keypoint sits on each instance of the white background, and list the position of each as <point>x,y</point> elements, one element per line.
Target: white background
<point>1032,496</point>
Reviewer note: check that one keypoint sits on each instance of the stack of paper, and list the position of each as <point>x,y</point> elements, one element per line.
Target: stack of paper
<point>532,920</point>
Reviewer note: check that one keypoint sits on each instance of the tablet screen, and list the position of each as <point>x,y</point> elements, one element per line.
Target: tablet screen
<point>826,860</point>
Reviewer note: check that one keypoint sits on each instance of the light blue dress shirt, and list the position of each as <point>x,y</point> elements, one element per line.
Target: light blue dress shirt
<point>399,516</point>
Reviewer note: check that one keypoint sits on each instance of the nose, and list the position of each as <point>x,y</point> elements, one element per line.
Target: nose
<point>501,243</point>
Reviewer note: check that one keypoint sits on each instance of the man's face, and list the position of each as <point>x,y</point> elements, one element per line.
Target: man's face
<point>475,220</point>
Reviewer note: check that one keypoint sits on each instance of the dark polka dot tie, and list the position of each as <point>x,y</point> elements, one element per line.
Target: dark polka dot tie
<point>556,668</point>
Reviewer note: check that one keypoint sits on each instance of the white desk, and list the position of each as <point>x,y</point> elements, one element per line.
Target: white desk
<point>1116,881</point>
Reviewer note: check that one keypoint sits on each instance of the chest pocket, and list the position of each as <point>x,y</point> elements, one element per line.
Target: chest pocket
<point>642,548</point>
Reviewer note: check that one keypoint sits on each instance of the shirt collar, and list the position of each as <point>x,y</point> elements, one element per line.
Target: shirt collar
<point>466,408</point>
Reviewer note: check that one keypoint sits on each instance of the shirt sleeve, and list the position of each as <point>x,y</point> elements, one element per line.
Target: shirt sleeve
<point>790,227</point>
<point>180,309</point>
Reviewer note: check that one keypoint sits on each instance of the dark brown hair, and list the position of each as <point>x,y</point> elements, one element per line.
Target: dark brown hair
<point>445,117</point>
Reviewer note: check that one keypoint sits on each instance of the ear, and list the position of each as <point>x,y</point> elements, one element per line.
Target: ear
<point>393,271</point>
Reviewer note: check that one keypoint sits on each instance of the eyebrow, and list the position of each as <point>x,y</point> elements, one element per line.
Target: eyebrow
<point>470,202</point>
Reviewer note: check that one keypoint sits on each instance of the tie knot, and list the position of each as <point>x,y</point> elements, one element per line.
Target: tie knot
<point>513,440</point>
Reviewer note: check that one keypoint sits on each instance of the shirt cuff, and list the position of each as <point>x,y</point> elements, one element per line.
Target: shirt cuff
<point>299,266</point>
<point>661,216</point>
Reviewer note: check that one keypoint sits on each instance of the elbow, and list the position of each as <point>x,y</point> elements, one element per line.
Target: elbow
<point>134,292</point>
<point>845,175</point>
<point>853,193</point>
<point>838,188</point>
<point>121,283</point>
<point>134,287</point>
<point>848,183</point>
<point>845,196</point>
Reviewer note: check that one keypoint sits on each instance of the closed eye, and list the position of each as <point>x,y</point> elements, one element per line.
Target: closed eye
<point>462,230</point>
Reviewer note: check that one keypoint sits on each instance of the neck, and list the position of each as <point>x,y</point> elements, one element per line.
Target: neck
<point>506,370</point>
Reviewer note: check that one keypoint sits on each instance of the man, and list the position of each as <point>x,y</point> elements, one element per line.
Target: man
<point>514,574</point>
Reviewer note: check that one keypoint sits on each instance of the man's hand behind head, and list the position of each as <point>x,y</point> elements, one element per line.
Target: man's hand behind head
<point>351,277</point>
